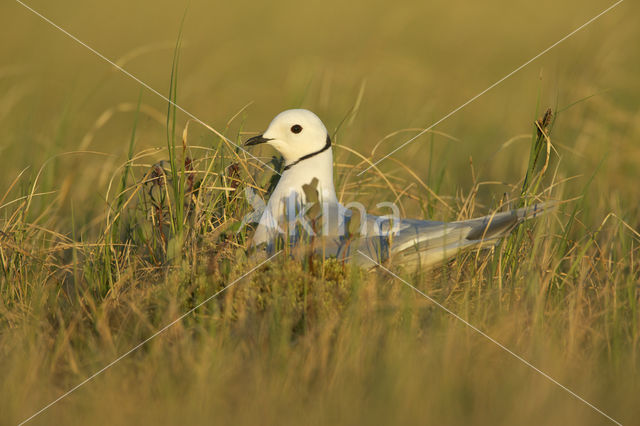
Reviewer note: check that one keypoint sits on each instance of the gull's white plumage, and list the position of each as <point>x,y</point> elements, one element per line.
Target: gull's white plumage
<point>302,139</point>
<point>294,146</point>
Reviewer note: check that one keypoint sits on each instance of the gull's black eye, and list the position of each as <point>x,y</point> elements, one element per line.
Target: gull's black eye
<point>296,128</point>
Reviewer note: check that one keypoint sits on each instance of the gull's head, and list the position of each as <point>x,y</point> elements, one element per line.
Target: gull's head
<point>295,133</point>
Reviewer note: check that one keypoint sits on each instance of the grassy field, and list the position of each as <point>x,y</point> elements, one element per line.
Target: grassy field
<point>101,245</point>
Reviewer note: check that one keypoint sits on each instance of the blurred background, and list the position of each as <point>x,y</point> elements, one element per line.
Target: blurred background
<point>387,69</point>
<point>377,73</point>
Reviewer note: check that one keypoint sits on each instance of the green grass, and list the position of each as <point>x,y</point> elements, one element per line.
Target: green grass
<point>118,214</point>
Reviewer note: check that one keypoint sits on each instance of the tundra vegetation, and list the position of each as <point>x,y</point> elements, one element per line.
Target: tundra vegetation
<point>119,213</point>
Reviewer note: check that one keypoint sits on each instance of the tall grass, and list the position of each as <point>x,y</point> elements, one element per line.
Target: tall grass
<point>314,340</point>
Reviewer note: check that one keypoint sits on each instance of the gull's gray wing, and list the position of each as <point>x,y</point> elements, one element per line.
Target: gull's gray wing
<point>382,240</point>
<point>423,243</point>
<point>410,242</point>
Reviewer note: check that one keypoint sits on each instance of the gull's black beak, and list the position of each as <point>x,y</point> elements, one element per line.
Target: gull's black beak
<point>256,140</point>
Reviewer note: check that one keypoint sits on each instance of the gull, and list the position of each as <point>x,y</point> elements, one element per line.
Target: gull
<point>304,143</point>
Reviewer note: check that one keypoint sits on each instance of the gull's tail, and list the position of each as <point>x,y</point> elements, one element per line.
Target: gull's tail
<point>433,243</point>
<point>497,225</point>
